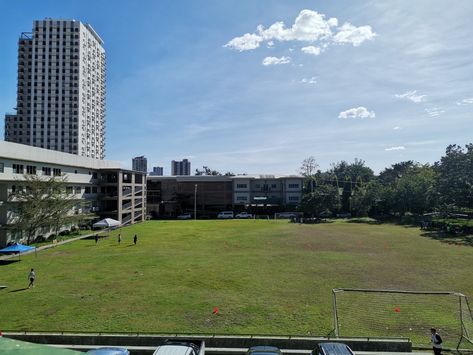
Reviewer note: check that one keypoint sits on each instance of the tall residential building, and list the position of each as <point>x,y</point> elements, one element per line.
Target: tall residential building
<point>61,89</point>
<point>180,167</point>
<point>140,164</point>
<point>157,171</point>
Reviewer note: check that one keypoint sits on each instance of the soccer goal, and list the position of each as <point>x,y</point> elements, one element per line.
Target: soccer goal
<point>407,314</point>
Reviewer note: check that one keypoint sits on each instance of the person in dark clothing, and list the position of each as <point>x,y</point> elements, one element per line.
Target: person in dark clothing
<point>135,239</point>
<point>436,341</point>
<point>96,238</point>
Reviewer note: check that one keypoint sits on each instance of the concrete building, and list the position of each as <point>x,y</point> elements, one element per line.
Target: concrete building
<point>110,190</point>
<point>140,164</point>
<point>179,168</point>
<point>167,196</point>
<point>157,171</point>
<point>61,89</point>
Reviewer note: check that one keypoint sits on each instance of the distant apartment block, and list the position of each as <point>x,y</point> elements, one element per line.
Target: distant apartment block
<point>111,192</point>
<point>60,90</point>
<point>140,164</point>
<point>179,168</point>
<point>157,171</point>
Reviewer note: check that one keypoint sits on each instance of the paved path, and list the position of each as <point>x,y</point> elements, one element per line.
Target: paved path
<point>51,245</point>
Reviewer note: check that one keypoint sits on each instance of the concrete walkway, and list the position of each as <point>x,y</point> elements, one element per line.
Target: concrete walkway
<point>49,246</point>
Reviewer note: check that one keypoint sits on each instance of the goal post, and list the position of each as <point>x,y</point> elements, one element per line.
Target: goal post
<point>401,313</point>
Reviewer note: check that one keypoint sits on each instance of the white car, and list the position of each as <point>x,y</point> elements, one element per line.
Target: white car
<point>184,216</point>
<point>225,215</point>
<point>181,347</point>
<point>243,215</point>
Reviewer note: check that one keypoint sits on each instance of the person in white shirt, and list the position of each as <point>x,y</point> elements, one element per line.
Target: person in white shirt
<point>31,277</point>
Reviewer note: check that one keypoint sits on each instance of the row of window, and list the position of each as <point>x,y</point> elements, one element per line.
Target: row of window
<point>273,186</point>
<point>31,170</point>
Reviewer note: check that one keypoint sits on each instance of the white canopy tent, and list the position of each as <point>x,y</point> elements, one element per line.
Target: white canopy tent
<point>106,223</point>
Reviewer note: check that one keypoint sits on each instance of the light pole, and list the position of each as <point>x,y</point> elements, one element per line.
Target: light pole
<point>195,202</point>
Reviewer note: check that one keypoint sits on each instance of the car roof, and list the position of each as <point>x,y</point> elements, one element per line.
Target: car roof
<point>173,349</point>
<point>335,348</point>
<point>261,349</point>
<point>109,351</point>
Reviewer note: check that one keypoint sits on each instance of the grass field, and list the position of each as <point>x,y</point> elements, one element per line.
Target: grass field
<point>266,277</point>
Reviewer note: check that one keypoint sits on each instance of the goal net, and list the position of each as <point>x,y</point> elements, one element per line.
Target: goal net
<point>407,314</point>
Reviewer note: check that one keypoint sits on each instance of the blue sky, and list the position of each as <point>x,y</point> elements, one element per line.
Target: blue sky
<point>384,81</point>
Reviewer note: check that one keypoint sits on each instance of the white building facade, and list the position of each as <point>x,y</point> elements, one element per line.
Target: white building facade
<point>110,190</point>
<point>61,89</point>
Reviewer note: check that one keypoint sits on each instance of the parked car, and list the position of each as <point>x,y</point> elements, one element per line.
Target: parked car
<point>109,351</point>
<point>332,349</point>
<point>263,350</point>
<point>243,215</point>
<point>181,347</point>
<point>225,215</point>
<point>184,216</point>
<point>288,215</point>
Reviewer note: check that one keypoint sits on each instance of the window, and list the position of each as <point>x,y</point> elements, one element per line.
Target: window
<point>2,166</point>
<point>77,189</point>
<point>274,186</point>
<point>293,198</point>
<point>241,198</point>
<point>31,169</point>
<point>56,172</point>
<point>293,186</point>
<point>94,189</point>
<point>242,186</point>
<point>87,189</point>
<point>94,175</point>
<point>17,169</point>
<point>69,189</point>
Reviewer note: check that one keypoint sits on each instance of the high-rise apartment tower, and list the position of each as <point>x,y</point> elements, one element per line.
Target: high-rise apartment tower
<point>181,167</point>
<point>140,164</point>
<point>61,89</point>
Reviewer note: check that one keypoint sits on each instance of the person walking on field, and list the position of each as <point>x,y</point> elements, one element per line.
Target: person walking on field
<point>31,277</point>
<point>436,341</point>
<point>96,238</point>
<point>135,239</point>
<point>119,238</point>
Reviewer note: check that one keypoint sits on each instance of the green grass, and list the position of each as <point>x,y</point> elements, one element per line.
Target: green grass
<point>266,277</point>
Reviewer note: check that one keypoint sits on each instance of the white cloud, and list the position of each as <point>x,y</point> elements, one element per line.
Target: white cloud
<point>354,35</point>
<point>396,128</point>
<point>358,112</point>
<point>411,96</point>
<point>311,50</point>
<point>270,44</point>
<point>401,147</point>
<point>434,112</point>
<point>310,81</point>
<point>245,43</point>
<point>309,26</point>
<point>468,101</point>
<point>275,61</point>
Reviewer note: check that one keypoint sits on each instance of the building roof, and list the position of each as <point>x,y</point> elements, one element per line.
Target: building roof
<point>17,151</point>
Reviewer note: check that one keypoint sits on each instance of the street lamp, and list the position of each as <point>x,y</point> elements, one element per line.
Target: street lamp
<point>195,202</point>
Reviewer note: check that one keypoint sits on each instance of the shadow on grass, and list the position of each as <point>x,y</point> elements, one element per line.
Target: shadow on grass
<point>365,220</point>
<point>459,239</point>
<point>8,261</point>
<point>18,290</point>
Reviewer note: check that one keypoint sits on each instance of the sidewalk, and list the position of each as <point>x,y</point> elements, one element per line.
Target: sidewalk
<point>48,246</point>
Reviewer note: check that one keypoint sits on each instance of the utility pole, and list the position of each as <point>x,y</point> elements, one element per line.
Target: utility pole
<point>195,202</point>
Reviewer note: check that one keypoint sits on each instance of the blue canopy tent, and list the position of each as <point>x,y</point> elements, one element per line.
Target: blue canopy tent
<point>16,249</point>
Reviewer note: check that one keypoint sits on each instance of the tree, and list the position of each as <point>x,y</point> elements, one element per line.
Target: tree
<point>207,171</point>
<point>348,176</point>
<point>39,203</point>
<point>308,167</point>
<point>325,197</point>
<point>454,179</point>
<point>365,198</point>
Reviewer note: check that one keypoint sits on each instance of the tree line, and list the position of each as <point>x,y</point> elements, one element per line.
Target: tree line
<point>404,187</point>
